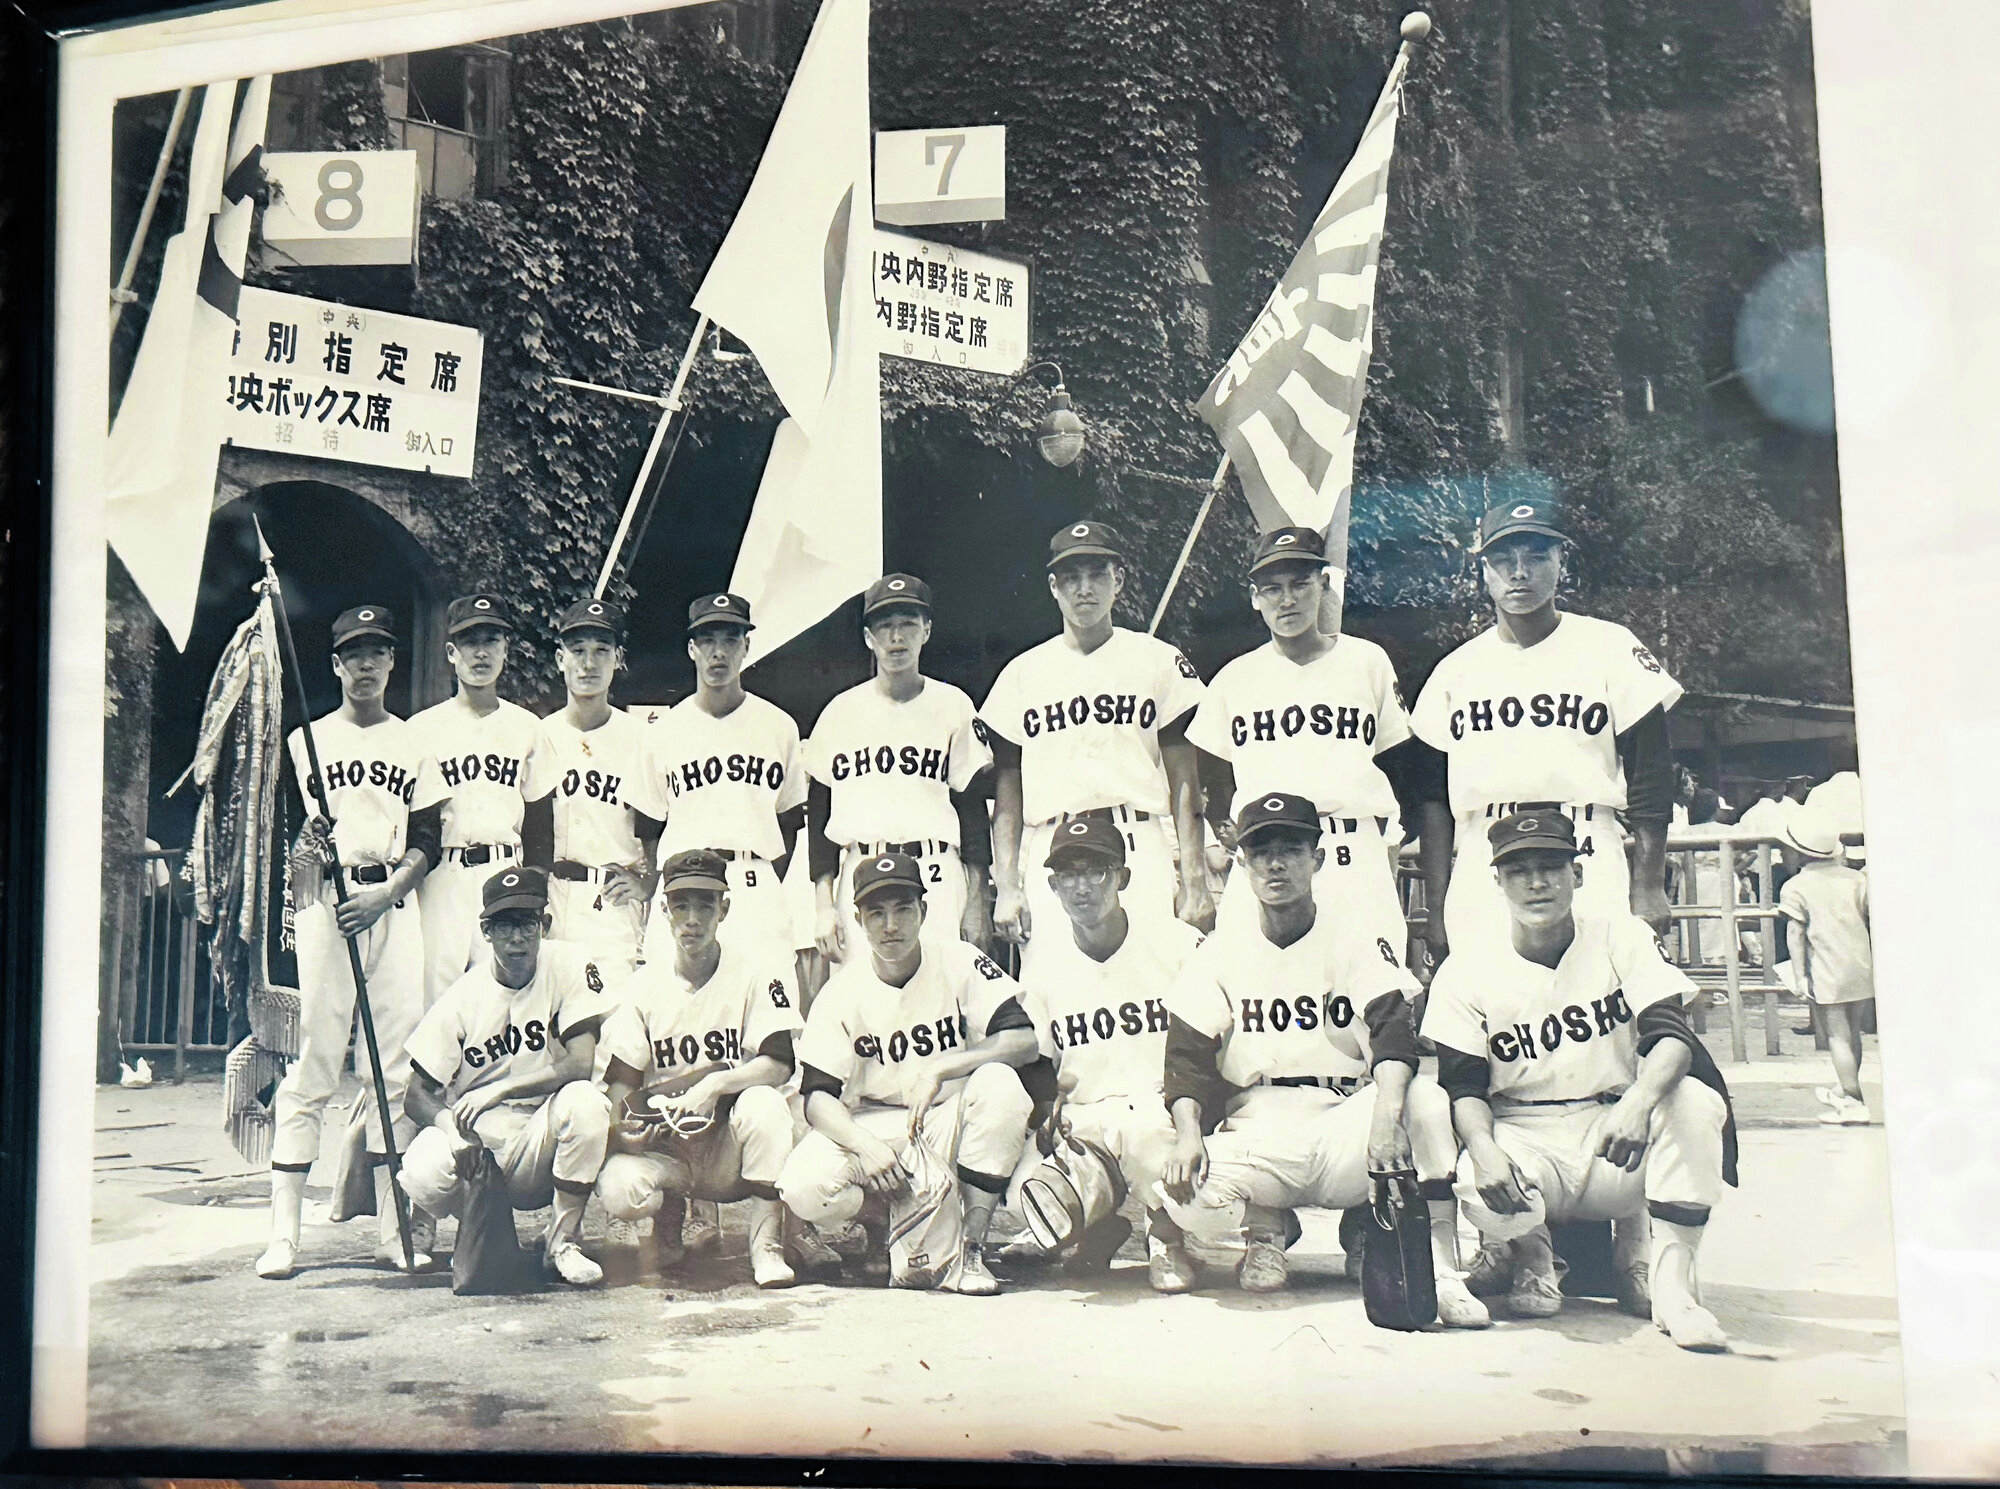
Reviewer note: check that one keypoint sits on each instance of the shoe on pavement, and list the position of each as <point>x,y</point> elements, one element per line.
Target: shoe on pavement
<point>768,1267</point>
<point>809,1251</point>
<point>623,1233</point>
<point>1635,1290</point>
<point>1491,1274</point>
<point>279,1261</point>
<point>669,1250</point>
<point>1457,1308</point>
<point>1690,1325</point>
<point>1169,1268</point>
<point>1353,1230</point>
<point>1264,1268</point>
<point>701,1236</point>
<point>568,1262</point>
<point>1535,1295</point>
<point>974,1279</point>
<point>1099,1244</point>
<point>1846,1112</point>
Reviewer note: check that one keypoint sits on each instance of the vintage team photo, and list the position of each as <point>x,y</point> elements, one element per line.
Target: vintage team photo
<point>1052,731</point>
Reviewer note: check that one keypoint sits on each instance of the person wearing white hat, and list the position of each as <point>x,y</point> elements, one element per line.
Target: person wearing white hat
<point>1826,905</point>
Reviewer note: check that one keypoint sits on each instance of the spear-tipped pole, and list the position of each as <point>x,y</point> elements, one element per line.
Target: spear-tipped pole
<point>316,784</point>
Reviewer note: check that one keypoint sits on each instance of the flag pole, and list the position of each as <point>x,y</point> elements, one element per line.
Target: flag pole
<point>1187,548</point>
<point>122,295</point>
<point>317,784</point>
<point>670,406</point>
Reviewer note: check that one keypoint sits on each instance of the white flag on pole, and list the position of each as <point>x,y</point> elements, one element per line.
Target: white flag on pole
<point>160,467</point>
<point>792,281</point>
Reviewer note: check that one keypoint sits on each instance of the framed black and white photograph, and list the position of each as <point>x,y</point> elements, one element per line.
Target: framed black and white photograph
<point>1061,733</point>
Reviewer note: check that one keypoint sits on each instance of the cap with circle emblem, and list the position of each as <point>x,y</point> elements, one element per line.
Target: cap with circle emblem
<point>364,621</point>
<point>592,615</point>
<point>1545,828</point>
<point>1289,545</point>
<point>890,871</point>
<point>1528,515</point>
<point>1085,540</point>
<point>896,589</point>
<point>476,610</point>
<point>719,610</point>
<point>1279,809</point>
<point>1086,837</point>
<point>514,889</point>
<point>697,868</point>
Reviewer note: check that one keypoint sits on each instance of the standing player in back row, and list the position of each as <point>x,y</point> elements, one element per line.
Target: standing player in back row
<point>1316,715</point>
<point>1547,708</point>
<point>888,761</point>
<point>483,750</point>
<point>1093,722</point>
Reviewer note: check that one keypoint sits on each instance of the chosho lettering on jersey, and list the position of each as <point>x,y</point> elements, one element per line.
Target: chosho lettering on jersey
<point>1266,724</point>
<point>1073,1030</point>
<point>1276,1015</point>
<point>691,1049</point>
<point>465,769</point>
<point>598,785</point>
<point>1573,1024</point>
<point>511,1040</point>
<point>343,774</point>
<point>921,1040</point>
<point>1542,711</point>
<point>882,760</point>
<point>748,770</point>
<point>1077,712</point>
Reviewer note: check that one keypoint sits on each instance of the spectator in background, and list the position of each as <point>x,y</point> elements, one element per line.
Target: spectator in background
<point>1826,903</point>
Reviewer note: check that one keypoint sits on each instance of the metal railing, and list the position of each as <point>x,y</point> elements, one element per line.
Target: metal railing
<point>1688,851</point>
<point>166,1002</point>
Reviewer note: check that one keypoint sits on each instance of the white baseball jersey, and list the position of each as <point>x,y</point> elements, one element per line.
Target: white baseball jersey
<point>1313,730</point>
<point>480,1031</point>
<point>891,767</point>
<point>599,779</point>
<point>1287,1011</point>
<point>1106,1022</point>
<point>664,1026</point>
<point>1541,723</point>
<point>1555,1033</point>
<point>875,1039</point>
<point>725,781</point>
<point>487,767</point>
<point>375,777</point>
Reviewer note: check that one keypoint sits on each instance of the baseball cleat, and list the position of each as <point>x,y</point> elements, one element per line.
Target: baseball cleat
<point>702,1236</point>
<point>974,1279</point>
<point>279,1261</point>
<point>1169,1268</point>
<point>623,1233</point>
<point>669,1250</point>
<point>1492,1271</point>
<point>1457,1308</point>
<point>768,1267</point>
<point>1690,1325</point>
<point>1846,1112</point>
<point>1353,1229</point>
<point>810,1252</point>
<point>1536,1293</point>
<point>390,1255</point>
<point>1635,1290</point>
<point>568,1262</point>
<point>1264,1267</point>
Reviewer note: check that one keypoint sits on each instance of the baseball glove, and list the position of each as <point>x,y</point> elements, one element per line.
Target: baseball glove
<point>658,1105</point>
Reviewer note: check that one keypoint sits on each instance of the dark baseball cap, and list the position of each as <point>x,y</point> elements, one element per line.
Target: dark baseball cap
<point>363,621</point>
<point>592,615</point>
<point>697,868</point>
<point>1528,515</point>
<point>895,589</point>
<point>1284,545</point>
<point>719,609</point>
<point>1085,539</point>
<point>514,889</point>
<point>1086,837</point>
<point>890,871</point>
<point>476,610</point>
<point>1278,809</point>
<point>1548,828</point>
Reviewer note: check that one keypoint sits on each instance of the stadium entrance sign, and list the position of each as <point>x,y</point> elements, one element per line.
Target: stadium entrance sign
<point>950,306</point>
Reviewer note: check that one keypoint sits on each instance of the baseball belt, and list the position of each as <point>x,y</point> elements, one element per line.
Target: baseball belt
<point>916,848</point>
<point>477,853</point>
<point>737,855</point>
<point>579,873</point>
<point>1347,1084</point>
<point>1580,813</point>
<point>1349,824</point>
<point>369,873</point>
<point>1108,814</point>
<point>1601,1098</point>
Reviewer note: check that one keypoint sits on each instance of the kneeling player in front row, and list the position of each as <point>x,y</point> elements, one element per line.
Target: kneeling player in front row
<point>1276,1030</point>
<point>909,1071</point>
<point>502,1062</point>
<point>698,1052</point>
<point>1566,1051</point>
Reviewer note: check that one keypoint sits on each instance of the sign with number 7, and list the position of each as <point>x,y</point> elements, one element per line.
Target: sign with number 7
<point>941,175</point>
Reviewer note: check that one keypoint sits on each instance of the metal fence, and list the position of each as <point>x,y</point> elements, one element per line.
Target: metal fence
<point>166,1001</point>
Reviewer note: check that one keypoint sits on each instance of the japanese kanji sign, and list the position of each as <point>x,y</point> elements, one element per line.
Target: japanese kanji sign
<point>936,303</point>
<point>310,377</point>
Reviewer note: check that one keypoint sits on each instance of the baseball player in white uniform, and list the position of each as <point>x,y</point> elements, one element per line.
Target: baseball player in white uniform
<point>502,1062</point>
<point>1098,998</point>
<point>726,763</point>
<point>1316,714</point>
<point>1094,721</point>
<point>603,817</point>
<point>1275,1034</point>
<point>918,1045</point>
<point>724,1016</point>
<point>483,750</point>
<point>1579,1089</point>
<point>385,834</point>
<point>1547,708</point>
<point>886,764</point>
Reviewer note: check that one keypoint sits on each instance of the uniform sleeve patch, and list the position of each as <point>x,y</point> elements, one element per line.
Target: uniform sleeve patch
<point>986,967</point>
<point>1187,668</point>
<point>981,733</point>
<point>778,998</point>
<point>593,977</point>
<point>1388,952</point>
<point>1645,659</point>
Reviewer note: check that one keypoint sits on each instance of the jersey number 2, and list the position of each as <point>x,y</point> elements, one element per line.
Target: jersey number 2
<point>937,873</point>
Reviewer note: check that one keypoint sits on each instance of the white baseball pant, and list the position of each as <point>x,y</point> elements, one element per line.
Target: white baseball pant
<point>748,1148</point>
<point>1475,909</point>
<point>392,959</point>
<point>1551,1146</point>
<point>610,934</point>
<point>556,1144</point>
<point>1149,854</point>
<point>1357,883</point>
<point>451,897</point>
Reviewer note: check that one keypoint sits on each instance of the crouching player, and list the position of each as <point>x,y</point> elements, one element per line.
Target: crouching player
<point>502,1062</point>
<point>711,1026</point>
<point>909,1069</point>
<point>1276,1028</point>
<point>1098,998</point>
<point>1566,1053</point>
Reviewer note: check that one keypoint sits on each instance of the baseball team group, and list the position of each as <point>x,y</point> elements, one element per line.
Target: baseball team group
<point>580,954</point>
